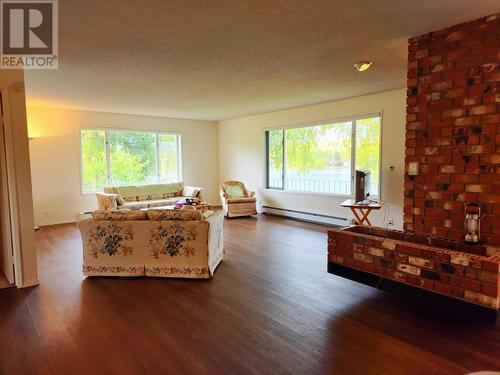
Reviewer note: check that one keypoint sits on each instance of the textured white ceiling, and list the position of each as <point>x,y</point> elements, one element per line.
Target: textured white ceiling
<point>217,59</point>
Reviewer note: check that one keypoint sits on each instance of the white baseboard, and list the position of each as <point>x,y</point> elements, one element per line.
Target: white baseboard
<point>84,216</point>
<point>306,216</point>
<point>42,223</point>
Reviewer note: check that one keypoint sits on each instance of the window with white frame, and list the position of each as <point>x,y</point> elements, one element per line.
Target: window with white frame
<point>322,158</point>
<point>128,157</point>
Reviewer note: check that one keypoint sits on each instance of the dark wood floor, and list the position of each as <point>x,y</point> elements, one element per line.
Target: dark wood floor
<point>4,283</point>
<point>271,308</point>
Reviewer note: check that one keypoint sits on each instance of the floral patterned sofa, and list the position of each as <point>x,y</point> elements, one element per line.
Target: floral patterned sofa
<point>162,243</point>
<point>144,196</point>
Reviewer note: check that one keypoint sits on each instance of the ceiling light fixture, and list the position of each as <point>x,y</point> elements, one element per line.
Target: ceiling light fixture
<point>361,66</point>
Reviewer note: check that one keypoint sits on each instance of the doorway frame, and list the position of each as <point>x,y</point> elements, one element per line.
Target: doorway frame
<point>12,187</point>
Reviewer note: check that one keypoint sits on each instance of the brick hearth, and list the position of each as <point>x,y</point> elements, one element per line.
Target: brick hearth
<point>453,129</point>
<point>445,266</point>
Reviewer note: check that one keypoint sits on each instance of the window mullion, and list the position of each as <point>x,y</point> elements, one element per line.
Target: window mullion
<point>157,149</point>
<point>108,165</point>
<point>353,154</point>
<point>266,140</point>
<point>283,160</point>
<point>179,161</point>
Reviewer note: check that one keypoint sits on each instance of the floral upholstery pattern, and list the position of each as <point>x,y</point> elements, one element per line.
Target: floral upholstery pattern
<point>175,189</point>
<point>179,248</point>
<point>137,197</point>
<point>200,272</point>
<point>172,240</point>
<point>167,248</point>
<point>87,270</point>
<point>160,215</point>
<point>110,239</point>
<point>119,215</point>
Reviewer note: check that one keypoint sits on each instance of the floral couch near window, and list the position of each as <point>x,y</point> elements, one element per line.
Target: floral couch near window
<point>162,243</point>
<point>145,196</point>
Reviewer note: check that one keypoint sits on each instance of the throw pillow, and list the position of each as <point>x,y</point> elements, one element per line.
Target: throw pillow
<point>107,201</point>
<point>234,191</point>
<point>190,192</point>
<point>119,199</point>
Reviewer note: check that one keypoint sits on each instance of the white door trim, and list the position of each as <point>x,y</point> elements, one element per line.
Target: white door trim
<point>6,234</point>
<point>12,187</point>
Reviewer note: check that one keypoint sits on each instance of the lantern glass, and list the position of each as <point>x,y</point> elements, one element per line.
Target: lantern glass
<point>472,225</point>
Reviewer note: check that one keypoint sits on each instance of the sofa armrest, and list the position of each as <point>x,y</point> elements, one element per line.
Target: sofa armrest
<point>215,240</point>
<point>250,194</point>
<point>107,201</point>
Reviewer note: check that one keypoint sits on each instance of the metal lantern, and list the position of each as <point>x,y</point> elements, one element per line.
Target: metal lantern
<point>472,223</point>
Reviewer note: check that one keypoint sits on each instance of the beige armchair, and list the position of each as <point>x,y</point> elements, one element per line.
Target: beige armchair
<point>237,200</point>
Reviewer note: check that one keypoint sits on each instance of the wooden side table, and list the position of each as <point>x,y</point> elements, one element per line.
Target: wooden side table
<point>361,211</point>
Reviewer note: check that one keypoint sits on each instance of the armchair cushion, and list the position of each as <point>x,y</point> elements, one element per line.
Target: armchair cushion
<point>234,190</point>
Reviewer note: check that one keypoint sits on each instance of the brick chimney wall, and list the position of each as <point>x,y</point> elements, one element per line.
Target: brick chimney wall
<point>453,129</point>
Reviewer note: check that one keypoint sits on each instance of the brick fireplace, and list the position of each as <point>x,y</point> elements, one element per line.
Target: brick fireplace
<point>453,129</point>
<point>445,266</point>
<point>453,132</point>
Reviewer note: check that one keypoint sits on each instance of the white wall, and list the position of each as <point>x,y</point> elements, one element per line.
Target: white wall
<point>242,152</point>
<point>55,158</point>
<point>232,150</point>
